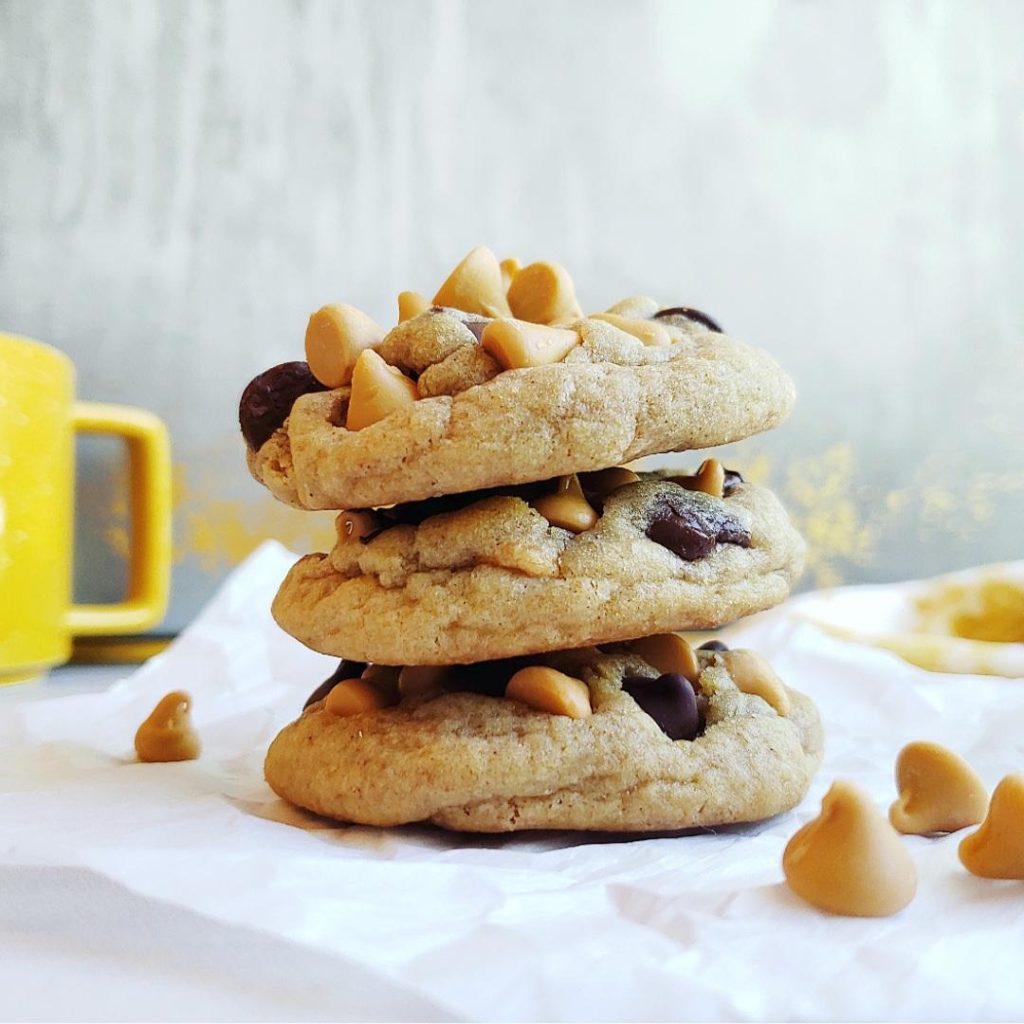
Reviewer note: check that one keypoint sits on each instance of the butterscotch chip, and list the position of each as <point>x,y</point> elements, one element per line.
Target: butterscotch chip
<point>604,481</point>
<point>335,336</point>
<point>475,285</point>
<point>547,689</point>
<point>356,697</point>
<point>378,390</point>
<point>752,674</point>
<point>354,525</point>
<point>668,653</point>
<point>509,268</point>
<point>650,332</point>
<point>567,507</point>
<point>996,850</point>
<point>480,763</point>
<point>516,344</point>
<point>938,791</point>
<point>167,734</point>
<point>543,292</point>
<point>849,860</point>
<point>493,580</point>
<point>417,680</point>
<point>411,304</point>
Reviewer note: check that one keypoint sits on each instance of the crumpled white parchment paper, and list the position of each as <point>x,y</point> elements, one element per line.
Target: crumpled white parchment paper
<point>551,926</point>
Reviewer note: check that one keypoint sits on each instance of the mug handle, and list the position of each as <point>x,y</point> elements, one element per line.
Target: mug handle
<point>149,481</point>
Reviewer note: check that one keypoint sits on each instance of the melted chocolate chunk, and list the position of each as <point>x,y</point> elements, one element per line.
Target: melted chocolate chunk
<point>691,314</point>
<point>412,513</point>
<point>345,670</point>
<point>690,524</point>
<point>713,645</point>
<point>488,678</point>
<point>268,399</point>
<point>670,701</point>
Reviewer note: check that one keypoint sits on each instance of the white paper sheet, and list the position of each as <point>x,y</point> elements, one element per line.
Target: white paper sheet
<point>552,926</point>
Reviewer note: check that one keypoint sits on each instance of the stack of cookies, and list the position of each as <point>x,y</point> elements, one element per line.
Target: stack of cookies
<point>505,594</point>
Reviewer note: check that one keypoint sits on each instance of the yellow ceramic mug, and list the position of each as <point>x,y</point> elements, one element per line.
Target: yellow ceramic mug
<point>38,420</point>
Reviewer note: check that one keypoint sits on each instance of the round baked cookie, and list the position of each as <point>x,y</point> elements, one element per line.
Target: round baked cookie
<point>495,579</point>
<point>612,399</point>
<point>478,763</point>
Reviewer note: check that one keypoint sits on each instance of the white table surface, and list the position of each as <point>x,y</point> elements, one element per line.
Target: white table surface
<point>78,946</point>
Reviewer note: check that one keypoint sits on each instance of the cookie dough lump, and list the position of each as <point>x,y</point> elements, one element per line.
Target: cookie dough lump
<point>996,850</point>
<point>167,734</point>
<point>938,791</point>
<point>849,860</point>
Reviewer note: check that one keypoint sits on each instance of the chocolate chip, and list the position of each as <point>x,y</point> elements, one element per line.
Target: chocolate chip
<point>268,399</point>
<point>690,314</point>
<point>713,645</point>
<point>412,513</point>
<point>669,700</point>
<point>690,524</point>
<point>731,482</point>
<point>345,670</point>
<point>488,678</point>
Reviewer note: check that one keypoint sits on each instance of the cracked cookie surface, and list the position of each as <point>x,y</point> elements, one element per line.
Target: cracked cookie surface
<point>611,400</point>
<point>488,764</point>
<point>494,579</point>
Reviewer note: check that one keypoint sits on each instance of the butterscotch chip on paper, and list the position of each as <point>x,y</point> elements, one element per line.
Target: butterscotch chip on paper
<point>167,734</point>
<point>465,757</point>
<point>850,860</point>
<point>938,791</point>
<point>996,850</point>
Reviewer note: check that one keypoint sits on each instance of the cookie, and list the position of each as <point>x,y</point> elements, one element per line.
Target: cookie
<point>497,578</point>
<point>478,763</point>
<point>455,419</point>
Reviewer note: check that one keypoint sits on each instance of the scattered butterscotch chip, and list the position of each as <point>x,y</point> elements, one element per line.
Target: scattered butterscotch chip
<point>547,689</point>
<point>939,791</point>
<point>650,332</point>
<point>377,391</point>
<point>335,336</point>
<point>419,680</point>
<point>996,850</point>
<point>850,860</point>
<point>668,653</point>
<point>168,734</point>
<point>354,524</point>
<point>752,674</point>
<point>475,285</point>
<point>509,268</point>
<point>357,696</point>
<point>411,304</point>
<point>567,508</point>
<point>543,292</point>
<point>516,344</point>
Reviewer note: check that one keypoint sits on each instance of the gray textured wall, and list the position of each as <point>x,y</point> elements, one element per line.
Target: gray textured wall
<point>841,182</point>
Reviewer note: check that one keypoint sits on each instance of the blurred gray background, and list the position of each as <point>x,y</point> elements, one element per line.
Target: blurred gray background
<point>181,184</point>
